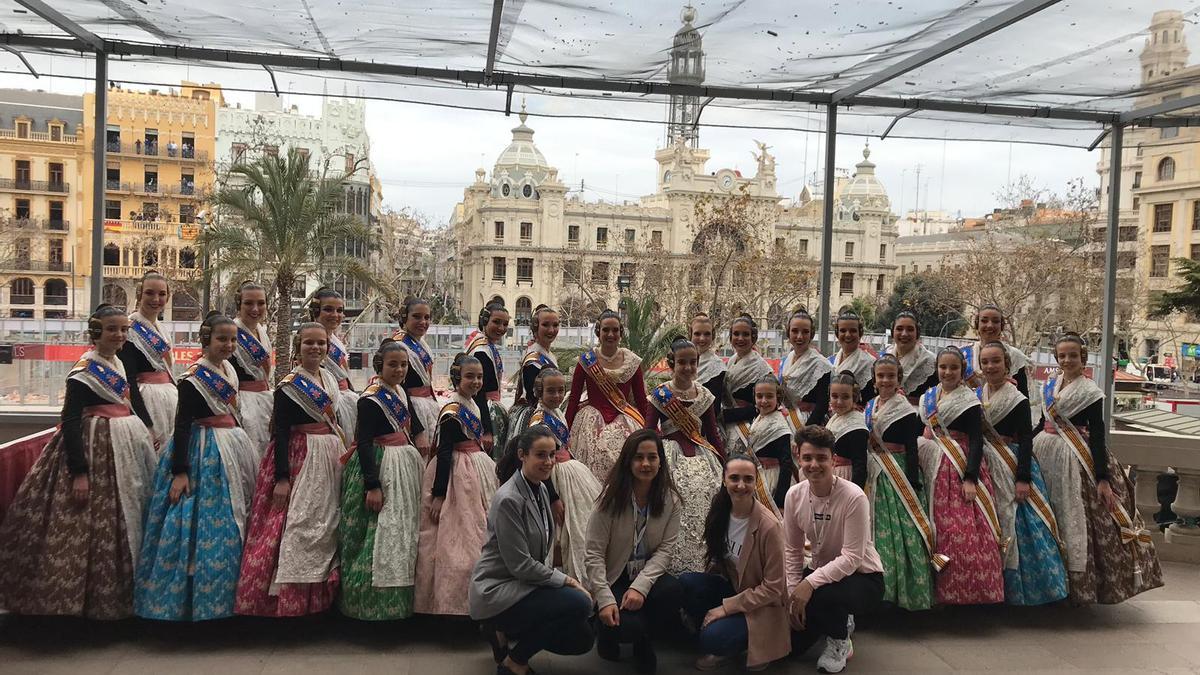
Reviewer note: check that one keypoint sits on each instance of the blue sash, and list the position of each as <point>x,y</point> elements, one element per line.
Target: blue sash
<point>393,406</point>
<point>968,353</point>
<point>215,383</point>
<point>869,411</point>
<point>782,365</point>
<point>107,378</point>
<point>256,350</point>
<point>561,432</point>
<point>1048,391</point>
<point>470,422</point>
<point>480,340</point>
<point>419,349</point>
<point>929,401</point>
<point>336,353</point>
<point>312,392</point>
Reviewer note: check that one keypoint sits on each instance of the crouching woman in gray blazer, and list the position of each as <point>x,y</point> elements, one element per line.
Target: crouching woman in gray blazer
<point>630,537</point>
<point>525,605</point>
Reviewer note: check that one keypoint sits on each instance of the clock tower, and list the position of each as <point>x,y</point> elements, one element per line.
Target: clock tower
<point>686,67</point>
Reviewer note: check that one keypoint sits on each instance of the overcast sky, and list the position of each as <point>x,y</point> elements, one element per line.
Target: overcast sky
<point>426,155</point>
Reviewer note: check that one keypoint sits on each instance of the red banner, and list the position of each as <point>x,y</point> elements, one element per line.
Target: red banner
<point>71,353</point>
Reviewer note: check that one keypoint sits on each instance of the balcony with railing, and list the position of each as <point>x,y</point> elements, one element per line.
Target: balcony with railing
<point>22,265</point>
<point>24,185</point>
<point>136,271</point>
<point>40,136</point>
<point>185,153</point>
<point>170,190</point>
<point>34,224</point>
<point>156,228</point>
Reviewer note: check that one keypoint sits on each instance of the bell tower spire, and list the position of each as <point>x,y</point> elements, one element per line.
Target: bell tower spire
<point>686,67</point>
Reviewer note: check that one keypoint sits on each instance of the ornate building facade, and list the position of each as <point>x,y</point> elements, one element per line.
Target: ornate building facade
<point>158,174</point>
<point>335,141</point>
<point>43,240</point>
<point>522,239</point>
<point>1159,218</point>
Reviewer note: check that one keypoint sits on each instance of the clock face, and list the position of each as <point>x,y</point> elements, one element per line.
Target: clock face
<point>727,181</point>
<point>504,189</point>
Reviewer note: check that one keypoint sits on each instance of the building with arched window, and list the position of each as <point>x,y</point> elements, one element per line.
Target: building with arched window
<point>158,173</point>
<point>43,239</point>
<point>1159,201</point>
<point>522,235</point>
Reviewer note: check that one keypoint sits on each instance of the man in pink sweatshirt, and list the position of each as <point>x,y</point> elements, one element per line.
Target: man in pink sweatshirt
<point>845,576</point>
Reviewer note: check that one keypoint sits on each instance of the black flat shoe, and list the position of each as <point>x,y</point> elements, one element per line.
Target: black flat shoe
<point>645,661</point>
<point>608,649</point>
<point>499,651</point>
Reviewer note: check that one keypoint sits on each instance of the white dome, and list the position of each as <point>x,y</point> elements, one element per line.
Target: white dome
<point>863,186</point>
<point>521,151</point>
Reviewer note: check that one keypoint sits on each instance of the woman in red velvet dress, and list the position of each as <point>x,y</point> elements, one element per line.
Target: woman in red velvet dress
<point>615,403</point>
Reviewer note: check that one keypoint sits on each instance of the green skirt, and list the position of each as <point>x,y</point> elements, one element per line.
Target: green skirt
<point>907,574</point>
<point>359,598</point>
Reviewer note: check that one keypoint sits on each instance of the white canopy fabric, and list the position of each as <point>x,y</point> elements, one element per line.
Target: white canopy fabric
<point>1056,60</point>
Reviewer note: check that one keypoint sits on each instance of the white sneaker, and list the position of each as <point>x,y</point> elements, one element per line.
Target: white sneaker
<point>837,652</point>
<point>849,626</point>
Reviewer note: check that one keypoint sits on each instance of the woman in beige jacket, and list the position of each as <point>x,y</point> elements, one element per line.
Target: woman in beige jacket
<point>739,603</point>
<point>629,539</point>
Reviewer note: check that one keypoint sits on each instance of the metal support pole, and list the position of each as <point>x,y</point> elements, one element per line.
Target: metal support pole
<point>1108,320</point>
<point>99,126</point>
<point>827,227</point>
<point>206,280</point>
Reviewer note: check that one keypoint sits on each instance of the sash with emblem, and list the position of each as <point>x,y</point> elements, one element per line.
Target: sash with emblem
<point>591,365</point>
<point>1037,500</point>
<point>252,354</point>
<point>952,451</point>
<point>106,381</point>
<point>314,399</point>
<point>1133,531</point>
<point>471,424</point>
<point>151,343</point>
<point>891,468</point>
<point>218,392</point>
<point>562,433</point>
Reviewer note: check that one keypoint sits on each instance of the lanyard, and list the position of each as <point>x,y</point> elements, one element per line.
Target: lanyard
<point>544,521</point>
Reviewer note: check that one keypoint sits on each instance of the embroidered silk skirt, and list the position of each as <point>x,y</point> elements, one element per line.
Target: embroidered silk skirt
<point>1034,572</point>
<point>289,561</point>
<point>698,478</point>
<point>378,551</point>
<point>1100,567</point>
<point>907,572</point>
<point>448,547</point>
<point>974,575</point>
<point>188,568</point>
<point>58,558</point>
<point>598,444</point>
<point>578,489</point>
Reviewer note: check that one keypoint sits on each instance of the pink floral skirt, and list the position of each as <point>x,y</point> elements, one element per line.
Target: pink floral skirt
<point>974,575</point>
<point>257,595</point>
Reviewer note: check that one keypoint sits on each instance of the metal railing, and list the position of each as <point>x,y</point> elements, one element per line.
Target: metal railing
<point>24,185</point>
<point>185,189</point>
<point>156,150</point>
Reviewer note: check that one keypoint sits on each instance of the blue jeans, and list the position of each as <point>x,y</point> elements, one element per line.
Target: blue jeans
<point>702,592</point>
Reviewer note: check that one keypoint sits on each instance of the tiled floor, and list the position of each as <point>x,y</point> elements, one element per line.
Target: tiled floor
<point>1157,632</point>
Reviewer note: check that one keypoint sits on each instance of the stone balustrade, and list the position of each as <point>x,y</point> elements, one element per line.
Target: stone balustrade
<point>1149,454</point>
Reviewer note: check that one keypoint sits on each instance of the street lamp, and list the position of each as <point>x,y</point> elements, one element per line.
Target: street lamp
<point>941,333</point>
<point>624,281</point>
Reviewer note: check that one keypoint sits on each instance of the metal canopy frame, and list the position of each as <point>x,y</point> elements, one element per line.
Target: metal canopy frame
<point>953,43</point>
<point>1114,123</point>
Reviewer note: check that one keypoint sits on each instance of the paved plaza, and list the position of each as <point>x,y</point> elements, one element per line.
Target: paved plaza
<point>1157,632</point>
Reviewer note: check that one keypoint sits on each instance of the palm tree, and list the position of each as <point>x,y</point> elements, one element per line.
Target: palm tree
<point>1186,296</point>
<point>278,221</point>
<point>647,334</point>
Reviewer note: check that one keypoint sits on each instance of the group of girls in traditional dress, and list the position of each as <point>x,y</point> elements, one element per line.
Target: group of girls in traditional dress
<point>284,500</point>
